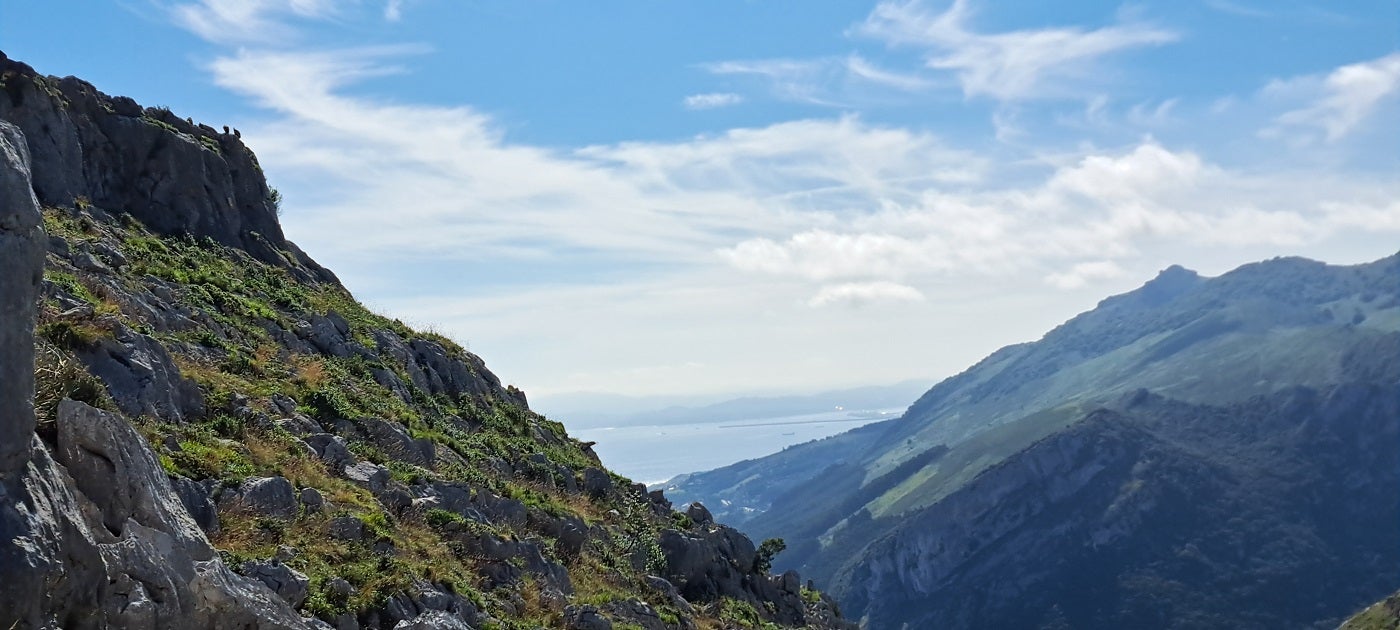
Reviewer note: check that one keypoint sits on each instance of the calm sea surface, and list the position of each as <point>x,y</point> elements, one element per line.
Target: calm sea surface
<point>651,454</point>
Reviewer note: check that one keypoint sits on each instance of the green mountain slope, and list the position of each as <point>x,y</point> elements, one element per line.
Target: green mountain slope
<point>1211,345</point>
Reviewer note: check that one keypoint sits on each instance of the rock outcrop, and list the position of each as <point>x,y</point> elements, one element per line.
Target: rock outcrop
<point>174,176</point>
<point>22,259</point>
<point>97,537</point>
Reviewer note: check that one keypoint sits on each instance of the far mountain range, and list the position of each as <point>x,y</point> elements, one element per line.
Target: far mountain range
<point>1198,453</point>
<point>585,410</point>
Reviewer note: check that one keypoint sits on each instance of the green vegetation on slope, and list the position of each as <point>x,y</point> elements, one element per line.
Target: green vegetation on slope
<point>268,354</point>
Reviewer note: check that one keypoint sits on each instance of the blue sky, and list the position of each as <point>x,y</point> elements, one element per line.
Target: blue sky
<point>747,196</point>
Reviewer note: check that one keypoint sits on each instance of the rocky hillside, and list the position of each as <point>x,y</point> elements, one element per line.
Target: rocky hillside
<point>1201,452</point>
<point>200,427</point>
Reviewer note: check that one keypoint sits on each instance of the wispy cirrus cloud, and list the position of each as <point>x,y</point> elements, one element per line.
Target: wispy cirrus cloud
<point>461,189</point>
<point>834,81</point>
<point>1012,65</point>
<point>1337,104</point>
<point>262,22</point>
<point>1085,272</point>
<point>248,21</point>
<point>712,100</point>
<point>864,293</point>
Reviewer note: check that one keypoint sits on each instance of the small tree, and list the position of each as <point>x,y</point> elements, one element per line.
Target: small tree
<point>274,199</point>
<point>763,560</point>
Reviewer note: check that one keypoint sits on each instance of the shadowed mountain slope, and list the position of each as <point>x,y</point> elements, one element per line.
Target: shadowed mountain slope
<point>1230,382</point>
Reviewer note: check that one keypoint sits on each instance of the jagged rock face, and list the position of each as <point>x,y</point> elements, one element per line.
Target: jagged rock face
<point>141,378</point>
<point>112,546</point>
<point>176,177</point>
<point>52,573</point>
<point>22,259</point>
<point>97,538</point>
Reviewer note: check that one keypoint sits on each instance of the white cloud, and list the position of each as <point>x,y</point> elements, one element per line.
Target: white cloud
<point>1105,207</point>
<point>1237,8</point>
<point>458,189</point>
<point>831,81</point>
<point>1083,273</point>
<point>712,100</point>
<point>393,10</point>
<point>1013,65</point>
<point>737,236</point>
<point>822,255</point>
<point>1146,115</point>
<point>1338,103</point>
<point>863,293</point>
<point>254,21</point>
<point>857,66</point>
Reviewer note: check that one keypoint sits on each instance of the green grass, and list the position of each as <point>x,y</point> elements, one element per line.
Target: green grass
<point>233,353</point>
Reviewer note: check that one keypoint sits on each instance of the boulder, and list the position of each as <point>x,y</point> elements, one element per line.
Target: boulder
<point>368,475</point>
<point>332,449</point>
<point>585,617</point>
<point>597,483</point>
<point>273,497</point>
<point>113,466</point>
<point>52,573</point>
<point>142,378</point>
<point>699,514</point>
<point>312,499</point>
<point>394,441</point>
<point>289,584</point>
<point>195,497</point>
<point>347,528</point>
<point>433,620</point>
<point>112,545</point>
<point>668,590</point>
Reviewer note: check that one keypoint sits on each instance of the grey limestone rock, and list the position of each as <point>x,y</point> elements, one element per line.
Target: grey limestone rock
<point>347,528</point>
<point>289,584</point>
<point>22,244</point>
<point>149,163</point>
<point>312,499</point>
<point>597,483</point>
<point>195,497</point>
<point>112,465</point>
<point>585,617</point>
<point>699,514</point>
<point>103,541</point>
<point>51,568</point>
<point>433,620</point>
<point>329,334</point>
<point>666,588</point>
<point>142,378</point>
<point>368,475</point>
<point>709,564</point>
<point>266,496</point>
<point>332,449</point>
<point>393,439</point>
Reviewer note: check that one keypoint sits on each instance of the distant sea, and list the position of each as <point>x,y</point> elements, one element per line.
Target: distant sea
<point>652,454</point>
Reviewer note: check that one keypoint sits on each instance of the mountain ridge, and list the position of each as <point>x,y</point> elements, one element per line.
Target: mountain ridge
<point>1214,343</point>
